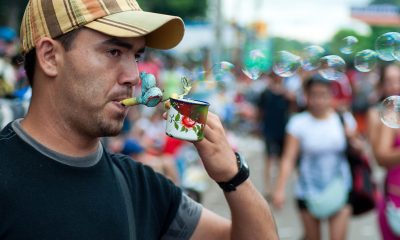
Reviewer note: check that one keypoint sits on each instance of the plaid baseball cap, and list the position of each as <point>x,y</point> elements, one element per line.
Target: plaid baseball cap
<point>118,18</point>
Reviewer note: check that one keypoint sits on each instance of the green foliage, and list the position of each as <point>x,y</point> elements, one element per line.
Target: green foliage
<point>377,31</point>
<point>291,45</point>
<point>337,42</point>
<point>12,12</point>
<point>186,9</point>
<point>394,2</point>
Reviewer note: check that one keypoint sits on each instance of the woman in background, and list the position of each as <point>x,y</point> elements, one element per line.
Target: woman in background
<point>385,143</point>
<point>315,142</point>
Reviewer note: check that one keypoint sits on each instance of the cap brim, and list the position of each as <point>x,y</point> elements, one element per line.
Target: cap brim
<point>160,31</point>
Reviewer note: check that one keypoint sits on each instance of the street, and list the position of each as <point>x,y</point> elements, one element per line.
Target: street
<point>289,226</point>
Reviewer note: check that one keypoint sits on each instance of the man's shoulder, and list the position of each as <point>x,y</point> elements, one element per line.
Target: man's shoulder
<point>139,173</point>
<point>7,140</point>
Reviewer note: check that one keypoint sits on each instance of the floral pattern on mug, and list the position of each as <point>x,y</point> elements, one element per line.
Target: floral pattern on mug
<point>187,124</point>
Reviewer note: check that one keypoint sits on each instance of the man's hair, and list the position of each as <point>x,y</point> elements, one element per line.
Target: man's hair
<point>66,41</point>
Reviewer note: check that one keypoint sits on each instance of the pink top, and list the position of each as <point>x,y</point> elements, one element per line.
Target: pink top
<point>392,188</point>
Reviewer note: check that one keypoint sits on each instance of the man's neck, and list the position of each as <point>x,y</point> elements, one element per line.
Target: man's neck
<point>58,136</point>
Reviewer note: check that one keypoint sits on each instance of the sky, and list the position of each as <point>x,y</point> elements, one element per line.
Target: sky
<point>309,20</point>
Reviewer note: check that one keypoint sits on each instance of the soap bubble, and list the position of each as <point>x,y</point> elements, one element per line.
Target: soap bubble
<point>198,73</point>
<point>348,44</point>
<point>204,82</point>
<point>365,60</point>
<point>252,73</point>
<point>390,111</point>
<point>219,72</point>
<point>387,46</point>
<point>254,64</point>
<point>222,71</point>
<point>311,57</point>
<point>332,67</point>
<point>285,64</point>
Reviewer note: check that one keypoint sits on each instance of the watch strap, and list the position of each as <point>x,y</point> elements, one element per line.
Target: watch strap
<point>239,178</point>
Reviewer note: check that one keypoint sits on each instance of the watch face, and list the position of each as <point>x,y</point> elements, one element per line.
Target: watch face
<point>244,162</point>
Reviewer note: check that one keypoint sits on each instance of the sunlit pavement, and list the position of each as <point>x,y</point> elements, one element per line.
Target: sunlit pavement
<point>287,219</point>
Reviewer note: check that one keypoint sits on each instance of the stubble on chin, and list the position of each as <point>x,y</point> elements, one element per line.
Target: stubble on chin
<point>109,128</point>
<point>106,123</point>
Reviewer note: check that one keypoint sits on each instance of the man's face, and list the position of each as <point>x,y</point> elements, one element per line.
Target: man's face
<point>97,72</point>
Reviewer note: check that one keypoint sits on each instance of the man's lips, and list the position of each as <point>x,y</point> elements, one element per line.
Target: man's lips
<point>118,101</point>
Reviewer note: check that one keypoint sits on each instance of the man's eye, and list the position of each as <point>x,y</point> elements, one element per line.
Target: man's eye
<point>114,52</point>
<point>138,57</point>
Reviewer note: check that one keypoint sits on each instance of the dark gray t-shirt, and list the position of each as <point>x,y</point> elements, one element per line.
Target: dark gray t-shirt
<point>45,194</point>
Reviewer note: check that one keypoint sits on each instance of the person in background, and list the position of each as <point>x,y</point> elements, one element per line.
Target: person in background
<point>315,143</point>
<point>274,106</point>
<point>8,77</point>
<point>385,144</point>
<point>388,85</point>
<point>59,182</point>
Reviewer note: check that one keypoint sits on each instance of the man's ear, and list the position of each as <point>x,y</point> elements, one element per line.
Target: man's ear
<point>46,53</point>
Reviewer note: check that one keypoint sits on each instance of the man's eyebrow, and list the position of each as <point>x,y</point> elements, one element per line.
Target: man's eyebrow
<point>120,43</point>
<point>117,42</point>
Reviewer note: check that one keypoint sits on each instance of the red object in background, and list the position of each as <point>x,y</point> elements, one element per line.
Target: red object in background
<point>342,91</point>
<point>361,120</point>
<point>150,67</point>
<point>172,145</point>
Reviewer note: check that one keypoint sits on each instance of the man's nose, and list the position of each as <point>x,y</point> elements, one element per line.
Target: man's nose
<point>130,75</point>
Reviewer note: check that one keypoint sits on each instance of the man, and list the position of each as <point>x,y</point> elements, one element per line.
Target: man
<point>57,181</point>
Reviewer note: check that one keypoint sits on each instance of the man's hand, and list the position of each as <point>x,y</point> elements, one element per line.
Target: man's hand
<point>250,213</point>
<point>215,151</point>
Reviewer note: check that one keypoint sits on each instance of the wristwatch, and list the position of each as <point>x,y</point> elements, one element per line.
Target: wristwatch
<point>239,178</point>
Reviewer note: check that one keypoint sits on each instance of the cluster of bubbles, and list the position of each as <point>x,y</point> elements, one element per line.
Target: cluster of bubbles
<point>331,67</point>
<point>254,65</point>
<point>312,58</point>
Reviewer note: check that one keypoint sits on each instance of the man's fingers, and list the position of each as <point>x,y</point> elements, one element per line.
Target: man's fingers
<point>210,135</point>
<point>213,121</point>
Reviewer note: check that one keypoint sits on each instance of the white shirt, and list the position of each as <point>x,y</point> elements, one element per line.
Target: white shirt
<point>322,145</point>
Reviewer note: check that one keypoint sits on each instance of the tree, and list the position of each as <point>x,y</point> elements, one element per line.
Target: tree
<point>12,12</point>
<point>393,2</point>
<point>186,9</point>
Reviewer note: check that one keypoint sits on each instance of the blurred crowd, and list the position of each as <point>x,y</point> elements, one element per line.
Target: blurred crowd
<point>262,108</point>
<point>14,87</point>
